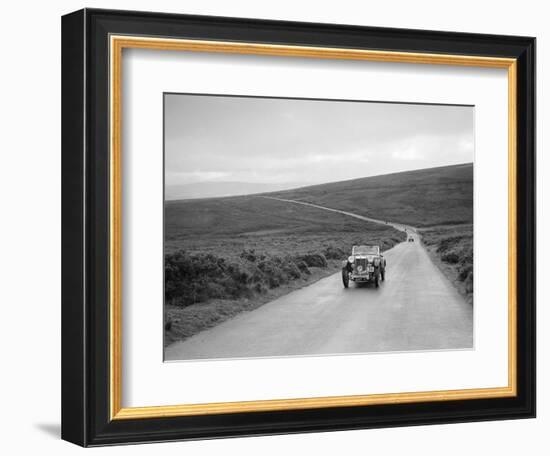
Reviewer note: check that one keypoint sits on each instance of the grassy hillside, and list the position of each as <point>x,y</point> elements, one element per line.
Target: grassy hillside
<point>426,197</point>
<point>229,225</point>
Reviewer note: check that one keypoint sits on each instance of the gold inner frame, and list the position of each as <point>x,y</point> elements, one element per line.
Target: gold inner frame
<point>117,44</point>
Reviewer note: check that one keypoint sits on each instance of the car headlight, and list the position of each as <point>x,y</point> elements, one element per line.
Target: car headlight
<point>351,259</point>
<point>377,261</point>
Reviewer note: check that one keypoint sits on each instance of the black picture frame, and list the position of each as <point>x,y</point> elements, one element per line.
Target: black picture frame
<point>85,228</point>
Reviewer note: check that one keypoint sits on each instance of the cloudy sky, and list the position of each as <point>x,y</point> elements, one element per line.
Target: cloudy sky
<point>216,139</point>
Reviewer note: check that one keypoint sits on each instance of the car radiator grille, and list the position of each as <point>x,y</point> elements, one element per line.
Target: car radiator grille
<point>361,262</point>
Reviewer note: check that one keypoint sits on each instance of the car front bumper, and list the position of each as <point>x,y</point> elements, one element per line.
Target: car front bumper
<point>361,277</point>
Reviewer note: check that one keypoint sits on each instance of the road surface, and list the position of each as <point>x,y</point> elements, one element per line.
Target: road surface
<point>416,308</point>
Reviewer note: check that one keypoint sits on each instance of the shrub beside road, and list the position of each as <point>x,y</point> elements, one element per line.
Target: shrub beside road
<point>453,247</point>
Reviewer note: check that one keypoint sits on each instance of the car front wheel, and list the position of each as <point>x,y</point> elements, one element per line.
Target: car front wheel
<point>345,278</point>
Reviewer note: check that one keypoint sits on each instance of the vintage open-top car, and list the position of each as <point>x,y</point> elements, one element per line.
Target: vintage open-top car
<point>366,264</point>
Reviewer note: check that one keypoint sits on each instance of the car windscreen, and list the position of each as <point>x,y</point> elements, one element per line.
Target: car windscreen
<point>366,250</point>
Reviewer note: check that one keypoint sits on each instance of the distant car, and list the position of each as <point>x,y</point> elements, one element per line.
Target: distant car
<point>366,264</point>
<point>411,239</point>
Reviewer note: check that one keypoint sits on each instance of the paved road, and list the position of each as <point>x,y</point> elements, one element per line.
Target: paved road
<point>416,308</point>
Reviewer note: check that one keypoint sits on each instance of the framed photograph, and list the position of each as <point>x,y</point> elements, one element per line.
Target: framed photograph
<point>278,227</point>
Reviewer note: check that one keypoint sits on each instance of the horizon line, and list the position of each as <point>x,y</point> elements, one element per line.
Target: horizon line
<point>299,187</point>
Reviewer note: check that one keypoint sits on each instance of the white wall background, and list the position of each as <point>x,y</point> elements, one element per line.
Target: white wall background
<point>30,225</point>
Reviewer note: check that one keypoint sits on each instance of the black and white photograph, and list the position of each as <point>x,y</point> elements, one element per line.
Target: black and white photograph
<point>275,228</point>
<point>316,227</point>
